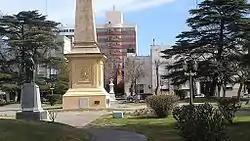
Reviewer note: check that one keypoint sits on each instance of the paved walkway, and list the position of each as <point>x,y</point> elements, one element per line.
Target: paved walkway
<point>104,134</point>
<point>81,119</point>
<point>78,119</point>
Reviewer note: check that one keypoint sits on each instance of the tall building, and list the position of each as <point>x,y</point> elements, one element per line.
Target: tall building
<point>159,63</point>
<point>116,39</point>
<point>65,49</point>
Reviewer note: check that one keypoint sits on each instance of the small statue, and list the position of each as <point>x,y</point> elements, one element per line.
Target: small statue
<point>29,65</point>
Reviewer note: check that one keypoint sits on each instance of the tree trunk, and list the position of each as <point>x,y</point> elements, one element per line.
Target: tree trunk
<point>224,90</point>
<point>239,91</point>
<point>213,87</point>
<point>156,89</point>
<point>157,80</point>
<point>135,87</point>
<point>131,89</point>
<point>218,90</point>
<point>16,96</point>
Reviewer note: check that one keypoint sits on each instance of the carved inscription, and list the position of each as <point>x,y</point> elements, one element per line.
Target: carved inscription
<point>85,73</point>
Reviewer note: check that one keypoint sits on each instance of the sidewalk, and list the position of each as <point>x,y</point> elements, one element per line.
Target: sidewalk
<point>105,134</point>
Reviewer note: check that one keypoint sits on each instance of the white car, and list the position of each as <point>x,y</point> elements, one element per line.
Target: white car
<point>196,96</point>
<point>199,95</point>
<point>245,95</point>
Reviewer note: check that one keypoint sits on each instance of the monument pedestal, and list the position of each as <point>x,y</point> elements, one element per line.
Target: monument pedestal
<point>86,82</point>
<point>31,107</point>
<point>113,100</point>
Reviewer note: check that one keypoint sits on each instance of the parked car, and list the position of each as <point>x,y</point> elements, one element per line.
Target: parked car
<point>2,102</point>
<point>196,96</point>
<point>245,95</point>
<point>199,95</point>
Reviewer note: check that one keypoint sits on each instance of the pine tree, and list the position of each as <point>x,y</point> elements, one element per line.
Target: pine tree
<point>215,34</point>
<point>27,31</point>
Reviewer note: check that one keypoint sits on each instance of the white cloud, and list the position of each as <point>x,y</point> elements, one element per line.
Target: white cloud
<point>126,5</point>
<point>63,10</point>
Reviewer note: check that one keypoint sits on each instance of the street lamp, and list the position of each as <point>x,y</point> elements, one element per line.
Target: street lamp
<point>23,48</point>
<point>161,84</point>
<point>52,87</point>
<point>190,68</point>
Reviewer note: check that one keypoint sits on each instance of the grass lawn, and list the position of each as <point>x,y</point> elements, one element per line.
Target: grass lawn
<point>201,100</point>
<point>45,106</point>
<point>163,129</point>
<point>15,130</point>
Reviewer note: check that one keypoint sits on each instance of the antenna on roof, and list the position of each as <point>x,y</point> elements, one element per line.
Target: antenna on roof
<point>153,41</point>
<point>113,7</point>
<point>46,7</point>
<point>196,4</point>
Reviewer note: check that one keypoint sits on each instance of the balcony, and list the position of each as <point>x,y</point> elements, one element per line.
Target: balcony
<point>114,39</point>
<point>120,46</point>
<point>103,33</point>
<point>118,54</point>
<point>128,32</point>
<point>129,46</point>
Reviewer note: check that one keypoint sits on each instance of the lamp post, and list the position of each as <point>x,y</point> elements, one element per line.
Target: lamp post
<point>161,84</point>
<point>52,87</point>
<point>23,48</point>
<point>190,68</point>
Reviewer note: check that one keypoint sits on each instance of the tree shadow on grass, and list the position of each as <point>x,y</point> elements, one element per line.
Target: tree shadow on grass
<point>153,128</point>
<point>145,117</point>
<point>156,129</point>
<point>155,132</point>
<point>239,131</point>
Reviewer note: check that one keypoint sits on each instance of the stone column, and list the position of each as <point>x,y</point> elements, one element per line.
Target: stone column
<point>111,90</point>
<point>198,87</point>
<point>85,63</point>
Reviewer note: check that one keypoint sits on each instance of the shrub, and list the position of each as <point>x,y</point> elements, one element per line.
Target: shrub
<point>228,107</point>
<point>200,123</point>
<point>161,104</point>
<point>52,100</point>
<point>181,94</point>
<point>145,112</point>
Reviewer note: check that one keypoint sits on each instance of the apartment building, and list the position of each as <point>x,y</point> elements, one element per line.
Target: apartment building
<point>116,38</point>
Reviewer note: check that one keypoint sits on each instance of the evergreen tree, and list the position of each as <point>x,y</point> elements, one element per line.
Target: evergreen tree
<point>216,33</point>
<point>27,31</point>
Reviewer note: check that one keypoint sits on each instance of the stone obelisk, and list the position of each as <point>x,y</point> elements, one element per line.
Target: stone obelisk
<point>86,88</point>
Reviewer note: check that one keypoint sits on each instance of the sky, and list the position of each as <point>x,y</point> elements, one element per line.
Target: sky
<point>159,19</point>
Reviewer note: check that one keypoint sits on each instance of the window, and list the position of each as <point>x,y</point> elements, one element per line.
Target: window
<point>100,30</point>
<point>131,50</point>
<point>97,102</point>
<point>102,44</point>
<point>140,88</point>
<point>71,30</point>
<point>128,43</point>
<point>101,37</point>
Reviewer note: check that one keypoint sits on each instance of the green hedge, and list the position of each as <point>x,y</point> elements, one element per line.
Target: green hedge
<point>200,123</point>
<point>161,104</point>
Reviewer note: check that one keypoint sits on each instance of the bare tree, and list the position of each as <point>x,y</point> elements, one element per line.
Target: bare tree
<point>133,71</point>
<point>157,65</point>
<point>109,66</point>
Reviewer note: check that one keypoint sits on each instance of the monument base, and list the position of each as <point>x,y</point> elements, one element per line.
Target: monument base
<point>30,115</point>
<point>113,100</point>
<point>80,98</point>
<point>31,107</point>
